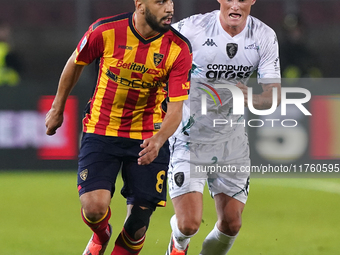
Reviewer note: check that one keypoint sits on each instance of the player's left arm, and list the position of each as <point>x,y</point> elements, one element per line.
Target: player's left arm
<point>152,145</point>
<point>265,99</point>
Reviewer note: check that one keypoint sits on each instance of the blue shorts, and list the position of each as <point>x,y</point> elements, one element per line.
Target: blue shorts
<point>102,157</point>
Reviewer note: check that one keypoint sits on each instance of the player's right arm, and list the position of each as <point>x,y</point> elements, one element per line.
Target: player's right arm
<point>68,79</point>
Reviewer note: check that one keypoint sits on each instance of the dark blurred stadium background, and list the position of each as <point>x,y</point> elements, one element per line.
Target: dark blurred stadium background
<point>45,32</point>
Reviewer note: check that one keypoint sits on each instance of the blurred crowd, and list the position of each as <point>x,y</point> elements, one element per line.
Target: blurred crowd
<point>10,66</point>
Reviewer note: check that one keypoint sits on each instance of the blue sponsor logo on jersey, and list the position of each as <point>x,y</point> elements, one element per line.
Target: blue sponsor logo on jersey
<point>252,47</point>
<point>83,43</point>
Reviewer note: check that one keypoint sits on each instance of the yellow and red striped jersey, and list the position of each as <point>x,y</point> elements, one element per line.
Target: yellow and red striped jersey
<point>133,73</point>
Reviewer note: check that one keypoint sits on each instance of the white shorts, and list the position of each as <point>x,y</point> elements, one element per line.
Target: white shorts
<point>192,164</point>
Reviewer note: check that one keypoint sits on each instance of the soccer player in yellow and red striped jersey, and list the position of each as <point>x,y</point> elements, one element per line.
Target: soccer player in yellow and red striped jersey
<point>141,62</point>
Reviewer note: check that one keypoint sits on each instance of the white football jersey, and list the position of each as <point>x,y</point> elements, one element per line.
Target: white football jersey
<point>219,58</point>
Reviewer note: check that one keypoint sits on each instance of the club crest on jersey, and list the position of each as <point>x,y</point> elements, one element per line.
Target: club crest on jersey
<point>232,49</point>
<point>179,179</point>
<point>83,174</point>
<point>157,58</point>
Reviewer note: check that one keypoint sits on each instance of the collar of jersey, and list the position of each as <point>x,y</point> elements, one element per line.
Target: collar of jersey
<point>138,35</point>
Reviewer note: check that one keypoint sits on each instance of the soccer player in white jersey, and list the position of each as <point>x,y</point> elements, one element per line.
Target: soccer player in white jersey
<point>228,46</point>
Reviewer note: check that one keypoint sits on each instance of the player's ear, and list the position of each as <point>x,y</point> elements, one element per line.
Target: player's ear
<point>140,6</point>
<point>253,2</point>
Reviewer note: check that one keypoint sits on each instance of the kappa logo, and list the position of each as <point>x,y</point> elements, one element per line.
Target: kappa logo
<point>157,58</point>
<point>209,42</point>
<point>83,174</point>
<point>231,49</point>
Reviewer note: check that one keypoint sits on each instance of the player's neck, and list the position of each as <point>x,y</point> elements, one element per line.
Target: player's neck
<point>142,26</point>
<point>233,30</point>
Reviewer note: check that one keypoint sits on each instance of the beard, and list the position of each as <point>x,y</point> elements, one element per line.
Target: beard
<point>154,24</point>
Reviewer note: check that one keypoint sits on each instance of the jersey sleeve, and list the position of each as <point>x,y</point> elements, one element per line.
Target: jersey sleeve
<point>90,47</point>
<point>188,26</point>
<point>269,66</point>
<point>179,77</point>
<point>179,25</point>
